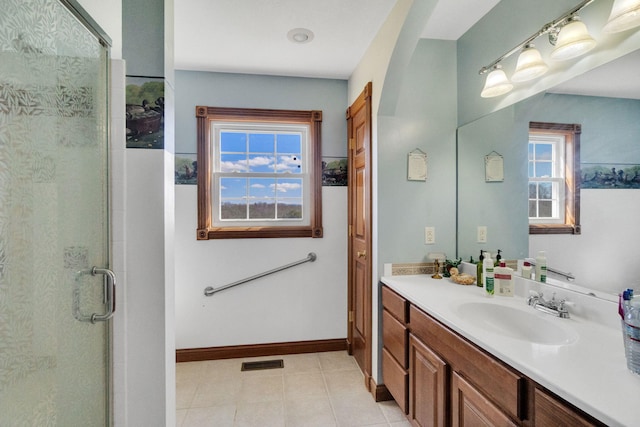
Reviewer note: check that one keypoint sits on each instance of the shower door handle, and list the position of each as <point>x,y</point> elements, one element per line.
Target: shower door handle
<point>109,297</point>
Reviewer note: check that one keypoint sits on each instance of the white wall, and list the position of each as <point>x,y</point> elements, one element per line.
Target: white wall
<point>604,256</point>
<point>306,302</point>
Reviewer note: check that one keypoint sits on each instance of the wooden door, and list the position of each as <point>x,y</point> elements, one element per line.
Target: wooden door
<point>359,251</point>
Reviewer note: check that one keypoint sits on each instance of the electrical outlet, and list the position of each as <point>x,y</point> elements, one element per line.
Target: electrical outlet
<point>482,234</point>
<point>429,235</point>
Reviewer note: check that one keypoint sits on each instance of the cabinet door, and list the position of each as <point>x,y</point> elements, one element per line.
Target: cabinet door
<point>471,408</point>
<point>551,412</point>
<point>427,385</point>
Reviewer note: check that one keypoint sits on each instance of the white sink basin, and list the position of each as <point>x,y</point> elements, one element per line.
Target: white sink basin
<point>524,324</point>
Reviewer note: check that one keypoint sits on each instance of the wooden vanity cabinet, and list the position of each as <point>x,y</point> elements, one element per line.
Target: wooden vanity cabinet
<point>440,379</point>
<point>395,339</point>
<point>481,388</point>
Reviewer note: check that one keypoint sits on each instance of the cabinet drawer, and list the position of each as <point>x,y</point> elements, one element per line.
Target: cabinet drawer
<point>396,379</point>
<point>550,411</point>
<point>503,385</point>
<point>395,304</point>
<point>394,338</point>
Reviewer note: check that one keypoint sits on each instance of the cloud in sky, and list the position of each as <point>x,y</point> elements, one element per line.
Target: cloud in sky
<point>283,187</point>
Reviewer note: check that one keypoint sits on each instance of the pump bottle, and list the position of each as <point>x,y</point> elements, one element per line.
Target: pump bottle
<point>488,275</point>
<point>479,281</point>
<point>541,267</point>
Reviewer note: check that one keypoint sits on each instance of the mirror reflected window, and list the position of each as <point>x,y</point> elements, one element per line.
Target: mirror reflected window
<point>554,172</point>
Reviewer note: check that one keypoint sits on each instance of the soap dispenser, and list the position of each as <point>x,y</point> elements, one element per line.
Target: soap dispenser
<point>479,281</point>
<point>498,258</point>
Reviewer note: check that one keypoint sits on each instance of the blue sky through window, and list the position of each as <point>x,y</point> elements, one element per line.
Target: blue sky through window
<point>254,156</point>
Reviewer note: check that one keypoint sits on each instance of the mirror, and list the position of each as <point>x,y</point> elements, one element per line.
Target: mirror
<point>607,107</point>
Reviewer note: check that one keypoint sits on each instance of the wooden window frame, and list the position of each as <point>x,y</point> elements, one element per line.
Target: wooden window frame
<point>571,133</point>
<point>204,117</point>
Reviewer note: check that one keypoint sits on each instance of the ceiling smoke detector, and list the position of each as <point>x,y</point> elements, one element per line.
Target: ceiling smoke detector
<point>300,35</point>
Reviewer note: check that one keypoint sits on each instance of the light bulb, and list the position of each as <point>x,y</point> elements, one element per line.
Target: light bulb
<point>625,14</point>
<point>496,84</point>
<point>573,40</point>
<point>530,65</point>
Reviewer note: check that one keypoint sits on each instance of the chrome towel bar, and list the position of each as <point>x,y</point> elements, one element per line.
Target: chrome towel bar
<point>568,276</point>
<point>208,291</point>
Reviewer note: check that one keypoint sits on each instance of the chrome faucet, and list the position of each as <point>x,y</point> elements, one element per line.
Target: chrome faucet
<point>553,307</point>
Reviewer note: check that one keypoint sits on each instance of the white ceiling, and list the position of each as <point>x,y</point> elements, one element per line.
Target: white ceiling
<point>250,36</point>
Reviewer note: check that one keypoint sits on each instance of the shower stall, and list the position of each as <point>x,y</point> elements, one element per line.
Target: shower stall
<point>56,290</point>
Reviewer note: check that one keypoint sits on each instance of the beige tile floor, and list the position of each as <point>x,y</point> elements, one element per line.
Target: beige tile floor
<point>316,389</point>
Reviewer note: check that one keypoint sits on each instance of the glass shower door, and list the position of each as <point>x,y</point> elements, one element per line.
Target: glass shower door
<point>55,290</point>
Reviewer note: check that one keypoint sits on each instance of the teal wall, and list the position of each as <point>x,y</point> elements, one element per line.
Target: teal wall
<point>610,126</point>
<point>425,119</point>
<point>143,37</point>
<point>254,91</point>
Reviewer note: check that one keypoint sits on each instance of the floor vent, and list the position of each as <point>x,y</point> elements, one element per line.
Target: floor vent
<point>262,364</point>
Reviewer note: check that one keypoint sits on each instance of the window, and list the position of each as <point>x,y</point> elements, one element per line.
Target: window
<point>554,178</point>
<point>261,173</point>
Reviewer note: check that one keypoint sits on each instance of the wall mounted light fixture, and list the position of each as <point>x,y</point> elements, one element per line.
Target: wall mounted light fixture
<point>625,14</point>
<point>570,37</point>
<point>530,65</point>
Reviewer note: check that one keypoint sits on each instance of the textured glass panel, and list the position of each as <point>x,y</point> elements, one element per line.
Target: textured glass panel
<point>53,217</point>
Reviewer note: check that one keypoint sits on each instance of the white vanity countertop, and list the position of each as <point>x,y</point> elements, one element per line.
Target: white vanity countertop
<point>591,372</point>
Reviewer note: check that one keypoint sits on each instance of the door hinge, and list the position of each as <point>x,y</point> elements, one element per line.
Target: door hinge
<point>350,315</point>
<point>352,143</point>
<point>350,230</point>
